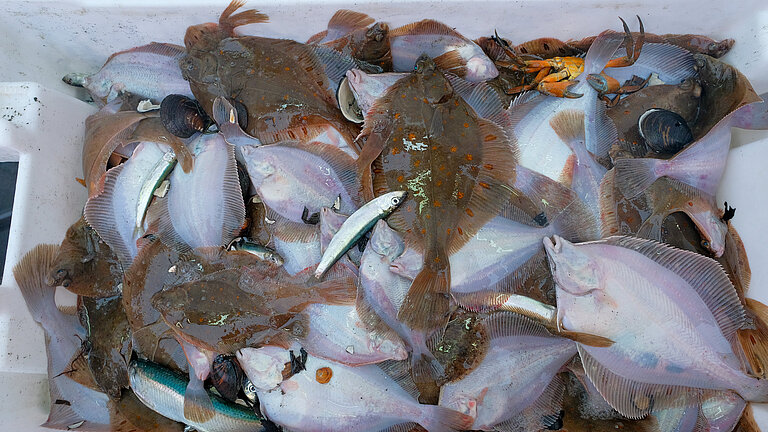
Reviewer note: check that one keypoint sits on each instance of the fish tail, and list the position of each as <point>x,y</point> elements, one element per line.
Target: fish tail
<point>754,342</point>
<point>426,305</point>
<point>753,116</point>
<point>425,367</point>
<point>197,404</point>
<point>341,291</point>
<point>633,176</point>
<point>437,418</point>
<point>229,19</point>
<point>31,273</point>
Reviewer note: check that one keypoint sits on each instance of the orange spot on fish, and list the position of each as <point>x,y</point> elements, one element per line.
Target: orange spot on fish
<point>690,203</point>
<point>626,112</point>
<point>469,157</point>
<point>466,125</point>
<point>323,375</point>
<point>403,95</point>
<point>423,231</point>
<point>442,168</point>
<point>437,204</point>
<point>395,150</point>
<point>397,115</point>
<point>416,163</point>
<point>439,183</point>
<point>488,166</point>
<point>287,68</point>
<point>453,149</point>
<point>428,216</point>
<point>448,231</point>
<point>490,137</point>
<point>425,100</point>
<point>461,232</point>
<point>470,212</point>
<point>459,195</point>
<point>437,259</point>
<point>434,147</point>
<point>285,97</point>
<point>484,185</point>
<point>400,179</point>
<point>411,136</point>
<point>456,102</point>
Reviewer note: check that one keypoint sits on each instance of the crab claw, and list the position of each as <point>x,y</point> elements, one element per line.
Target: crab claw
<point>632,46</point>
<point>598,82</point>
<point>559,89</point>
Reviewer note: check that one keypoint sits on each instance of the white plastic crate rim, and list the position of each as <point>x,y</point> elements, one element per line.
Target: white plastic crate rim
<point>42,123</point>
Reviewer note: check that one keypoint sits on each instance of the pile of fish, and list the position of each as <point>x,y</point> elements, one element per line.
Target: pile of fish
<point>401,228</point>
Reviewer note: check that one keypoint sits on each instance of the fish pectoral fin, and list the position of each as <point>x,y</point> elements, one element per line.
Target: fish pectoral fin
<point>197,403</point>
<point>587,339</point>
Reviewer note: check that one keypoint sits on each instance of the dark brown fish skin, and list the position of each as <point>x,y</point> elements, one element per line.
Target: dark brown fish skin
<point>85,265</point>
<point>109,338</point>
<point>258,230</point>
<point>682,99</point>
<point>696,44</point>
<point>370,45</point>
<point>424,138</point>
<point>283,89</point>
<point>244,307</point>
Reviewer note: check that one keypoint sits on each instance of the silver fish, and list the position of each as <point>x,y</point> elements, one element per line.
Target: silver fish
<point>163,390</point>
<point>154,178</point>
<point>358,224</point>
<point>262,252</point>
<point>671,315</point>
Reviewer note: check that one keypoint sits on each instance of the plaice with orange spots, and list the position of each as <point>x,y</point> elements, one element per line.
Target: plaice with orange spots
<point>422,137</point>
<point>289,88</point>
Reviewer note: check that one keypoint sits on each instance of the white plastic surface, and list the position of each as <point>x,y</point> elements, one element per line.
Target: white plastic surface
<point>42,41</point>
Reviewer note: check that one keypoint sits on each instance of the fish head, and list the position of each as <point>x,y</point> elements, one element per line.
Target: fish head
<point>367,88</point>
<point>391,200</point>
<point>388,344</point>
<point>713,231</point>
<point>481,68</point>
<point>573,270</point>
<point>274,258</point>
<point>385,241</point>
<point>463,403</point>
<point>433,84</point>
<point>100,88</point>
<point>263,366</point>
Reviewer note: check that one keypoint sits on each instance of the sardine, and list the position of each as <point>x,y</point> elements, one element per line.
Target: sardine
<point>357,225</point>
<point>163,390</point>
<point>516,383</point>
<point>150,72</point>
<point>205,207</point>
<point>262,252</point>
<point>72,403</point>
<point>331,396</point>
<point>454,186</point>
<point>290,177</point>
<point>451,51</point>
<point>670,313</point>
<point>115,210</point>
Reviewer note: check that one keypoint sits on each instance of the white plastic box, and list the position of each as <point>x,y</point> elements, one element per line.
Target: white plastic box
<point>41,123</point>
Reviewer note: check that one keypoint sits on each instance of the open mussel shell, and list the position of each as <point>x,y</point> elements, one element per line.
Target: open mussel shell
<point>183,116</point>
<point>664,131</point>
<point>227,376</point>
<point>347,103</point>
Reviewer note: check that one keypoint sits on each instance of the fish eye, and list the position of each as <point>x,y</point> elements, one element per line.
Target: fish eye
<point>395,200</point>
<point>705,244</point>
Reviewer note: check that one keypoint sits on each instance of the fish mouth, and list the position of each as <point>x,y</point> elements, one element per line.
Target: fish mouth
<point>555,247</point>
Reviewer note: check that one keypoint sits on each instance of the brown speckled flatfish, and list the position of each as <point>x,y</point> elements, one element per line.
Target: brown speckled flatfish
<point>283,84</point>
<point>457,168</point>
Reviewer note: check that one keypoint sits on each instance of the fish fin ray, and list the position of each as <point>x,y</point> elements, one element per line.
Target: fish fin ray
<point>601,135</point>
<point>233,207</point>
<point>426,368</point>
<point>568,124</point>
<point>427,302</point>
<point>400,373</point>
<point>345,21</point>
<point>609,218</point>
<point>601,51</point>
<point>630,398</point>
<point>440,418</point>
<point>159,216</point>
<point>30,274</point>
<point>159,48</point>
<point>481,97</point>
<point>336,64</point>
<point>542,414</point>
<point>198,407</point>
<point>452,62</point>
<point>754,341</point>
<point>505,324</point>
<point>672,63</point>
<point>635,175</point>
<point>705,275</point>
<point>340,291</point>
<point>427,26</point>
<point>587,339</point>
<point>402,427</point>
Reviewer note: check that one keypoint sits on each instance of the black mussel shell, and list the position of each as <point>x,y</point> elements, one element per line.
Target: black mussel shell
<point>242,113</point>
<point>665,132</point>
<point>183,116</point>
<point>227,376</point>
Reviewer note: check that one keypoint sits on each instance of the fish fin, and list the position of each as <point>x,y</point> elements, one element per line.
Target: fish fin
<point>233,205</point>
<point>609,218</point>
<point>602,133</point>
<point>426,306</point>
<point>747,422</point>
<point>601,51</point>
<point>452,62</point>
<point>505,324</point>
<point>129,414</point>
<point>159,48</point>
<point>754,341</point>
<point>736,256</point>
<point>402,427</point>
<point>568,124</point>
<point>587,339</point>
<point>346,21</point>
<point>339,291</point>
<point>705,275</point>
<point>100,216</point>
<point>754,117</point>
<point>440,418</point>
<point>336,64</point>
<point>427,26</point>
<point>492,184</point>
<point>635,175</point>
<point>481,97</point>
<point>225,116</point>
<point>709,151</point>
<point>544,413</point>
<point>30,274</point>
<point>400,373</point>
<point>198,407</point>
<point>317,37</point>
<point>80,372</point>
<point>228,21</point>
<point>63,416</point>
<point>373,143</point>
<point>630,398</point>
